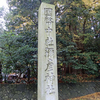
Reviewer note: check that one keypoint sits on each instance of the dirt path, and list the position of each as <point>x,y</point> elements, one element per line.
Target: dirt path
<point>94,96</point>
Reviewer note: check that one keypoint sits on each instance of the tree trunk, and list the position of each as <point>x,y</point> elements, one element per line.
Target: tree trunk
<point>28,73</point>
<point>64,69</point>
<point>82,38</point>
<point>75,30</point>
<point>0,73</point>
<point>70,68</point>
<point>5,79</point>
<point>84,26</point>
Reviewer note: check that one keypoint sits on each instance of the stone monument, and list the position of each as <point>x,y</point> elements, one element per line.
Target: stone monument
<point>47,58</point>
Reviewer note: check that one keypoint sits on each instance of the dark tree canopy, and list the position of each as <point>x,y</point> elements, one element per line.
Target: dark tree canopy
<point>77,32</point>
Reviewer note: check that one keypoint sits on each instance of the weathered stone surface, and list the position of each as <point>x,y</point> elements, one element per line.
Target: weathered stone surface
<point>47,59</point>
<point>12,92</point>
<point>66,91</point>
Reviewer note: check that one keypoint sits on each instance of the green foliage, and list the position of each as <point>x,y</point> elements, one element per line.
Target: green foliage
<point>76,46</point>
<point>20,48</point>
<point>14,53</point>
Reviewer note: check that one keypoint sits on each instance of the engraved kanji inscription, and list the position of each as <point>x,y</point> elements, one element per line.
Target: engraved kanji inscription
<point>48,30</point>
<point>49,77</point>
<point>50,89</point>
<point>49,65</point>
<point>49,19</point>
<point>48,11</point>
<point>48,15</point>
<point>49,41</point>
<point>49,52</point>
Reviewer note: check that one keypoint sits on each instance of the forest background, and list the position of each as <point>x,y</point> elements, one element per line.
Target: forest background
<point>77,33</point>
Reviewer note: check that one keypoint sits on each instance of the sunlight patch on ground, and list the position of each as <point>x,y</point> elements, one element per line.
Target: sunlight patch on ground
<point>94,96</point>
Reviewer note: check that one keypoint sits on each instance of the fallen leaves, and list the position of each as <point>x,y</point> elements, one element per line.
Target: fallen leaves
<point>94,96</point>
<point>76,78</point>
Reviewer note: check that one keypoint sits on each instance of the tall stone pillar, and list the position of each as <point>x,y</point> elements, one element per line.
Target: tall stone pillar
<point>47,56</point>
